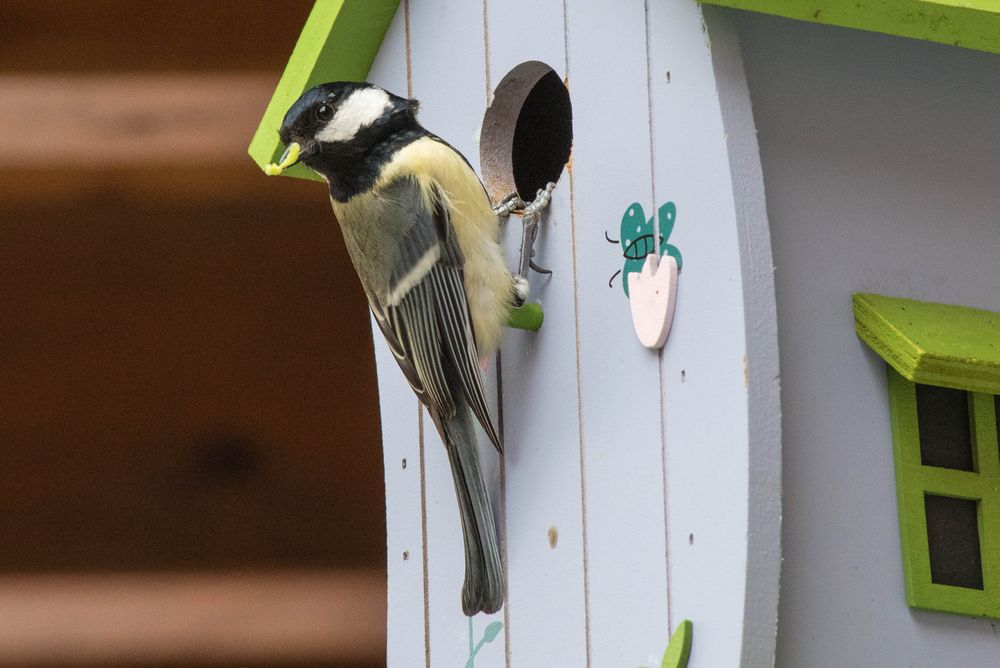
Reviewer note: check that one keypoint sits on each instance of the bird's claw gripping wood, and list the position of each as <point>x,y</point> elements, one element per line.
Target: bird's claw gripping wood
<point>510,205</point>
<point>531,214</point>
<point>524,315</point>
<point>530,218</point>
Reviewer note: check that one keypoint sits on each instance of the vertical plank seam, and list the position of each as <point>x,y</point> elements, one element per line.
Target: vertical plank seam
<point>659,353</point>
<point>423,531</point>
<point>504,557</point>
<point>579,375</point>
<point>409,66</point>
<point>503,515</point>
<point>420,412</point>
<point>486,53</point>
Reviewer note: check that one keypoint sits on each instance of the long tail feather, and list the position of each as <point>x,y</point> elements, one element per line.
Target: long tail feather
<point>483,590</point>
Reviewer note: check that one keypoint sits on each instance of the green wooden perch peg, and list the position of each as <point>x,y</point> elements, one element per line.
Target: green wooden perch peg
<point>527,316</point>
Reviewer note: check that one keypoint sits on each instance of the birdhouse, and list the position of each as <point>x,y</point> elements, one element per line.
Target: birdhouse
<point>727,186</point>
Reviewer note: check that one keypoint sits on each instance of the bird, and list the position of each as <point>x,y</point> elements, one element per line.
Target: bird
<point>423,236</point>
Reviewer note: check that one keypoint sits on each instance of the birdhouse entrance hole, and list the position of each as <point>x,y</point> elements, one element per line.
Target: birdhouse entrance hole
<point>527,132</point>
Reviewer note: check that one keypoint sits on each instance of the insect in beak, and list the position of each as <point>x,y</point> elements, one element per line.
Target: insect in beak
<point>288,158</point>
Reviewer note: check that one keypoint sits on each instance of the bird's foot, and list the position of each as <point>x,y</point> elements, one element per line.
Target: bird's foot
<point>509,205</point>
<point>542,199</point>
<point>531,215</point>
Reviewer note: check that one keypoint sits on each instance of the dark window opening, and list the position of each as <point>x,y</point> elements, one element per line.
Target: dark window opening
<point>953,541</point>
<point>944,426</point>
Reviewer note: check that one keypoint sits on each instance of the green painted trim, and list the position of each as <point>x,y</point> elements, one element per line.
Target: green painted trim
<point>679,650</point>
<point>934,344</point>
<point>527,316</point>
<point>339,42</point>
<point>973,24</point>
<point>913,480</point>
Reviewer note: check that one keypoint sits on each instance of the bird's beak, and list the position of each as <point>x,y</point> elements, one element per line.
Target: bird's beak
<point>288,158</point>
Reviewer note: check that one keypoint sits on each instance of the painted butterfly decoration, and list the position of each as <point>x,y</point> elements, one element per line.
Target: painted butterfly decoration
<point>636,239</point>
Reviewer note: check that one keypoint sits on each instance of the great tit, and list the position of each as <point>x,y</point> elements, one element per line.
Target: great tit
<point>423,237</point>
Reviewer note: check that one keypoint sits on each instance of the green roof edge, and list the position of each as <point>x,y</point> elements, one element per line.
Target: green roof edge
<point>339,42</point>
<point>973,24</point>
<point>930,367</point>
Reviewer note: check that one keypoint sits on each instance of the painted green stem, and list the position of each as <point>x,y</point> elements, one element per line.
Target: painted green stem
<point>489,635</point>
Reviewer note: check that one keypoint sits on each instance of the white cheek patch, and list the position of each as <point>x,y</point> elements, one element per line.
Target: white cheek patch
<point>361,109</point>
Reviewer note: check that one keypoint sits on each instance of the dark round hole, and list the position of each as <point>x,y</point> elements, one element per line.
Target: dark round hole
<point>542,137</point>
<point>527,132</point>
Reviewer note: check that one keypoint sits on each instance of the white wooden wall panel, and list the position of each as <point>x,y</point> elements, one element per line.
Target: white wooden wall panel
<point>400,441</point>
<point>606,442</point>
<point>448,72</point>
<point>546,606</point>
<point>620,388</point>
<point>707,363</point>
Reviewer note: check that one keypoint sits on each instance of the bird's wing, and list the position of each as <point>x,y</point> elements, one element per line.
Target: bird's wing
<point>427,321</point>
<point>426,378</point>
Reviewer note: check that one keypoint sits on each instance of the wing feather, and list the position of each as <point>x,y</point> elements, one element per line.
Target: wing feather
<point>456,327</point>
<point>428,327</point>
<point>397,350</point>
<point>415,321</point>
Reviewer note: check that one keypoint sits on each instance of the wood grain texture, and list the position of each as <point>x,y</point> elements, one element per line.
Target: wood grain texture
<point>249,618</point>
<point>188,385</point>
<point>118,36</point>
<point>188,375</point>
<point>124,120</point>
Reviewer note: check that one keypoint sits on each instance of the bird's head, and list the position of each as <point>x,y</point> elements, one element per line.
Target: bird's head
<point>333,127</point>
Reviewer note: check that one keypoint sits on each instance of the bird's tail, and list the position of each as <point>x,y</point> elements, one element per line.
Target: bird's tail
<point>483,590</point>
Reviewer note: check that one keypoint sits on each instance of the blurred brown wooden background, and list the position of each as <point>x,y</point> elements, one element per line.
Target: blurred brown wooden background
<point>187,391</point>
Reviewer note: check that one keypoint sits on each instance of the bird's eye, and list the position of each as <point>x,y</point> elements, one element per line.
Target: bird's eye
<point>324,112</point>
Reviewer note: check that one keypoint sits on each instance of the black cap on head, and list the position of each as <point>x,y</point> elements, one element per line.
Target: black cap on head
<point>368,106</point>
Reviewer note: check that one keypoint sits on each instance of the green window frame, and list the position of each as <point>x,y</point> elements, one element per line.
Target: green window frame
<point>948,488</point>
<point>914,481</point>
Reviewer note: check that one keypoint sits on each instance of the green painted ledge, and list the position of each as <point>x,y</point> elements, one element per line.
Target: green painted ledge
<point>338,43</point>
<point>974,24</point>
<point>934,344</point>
